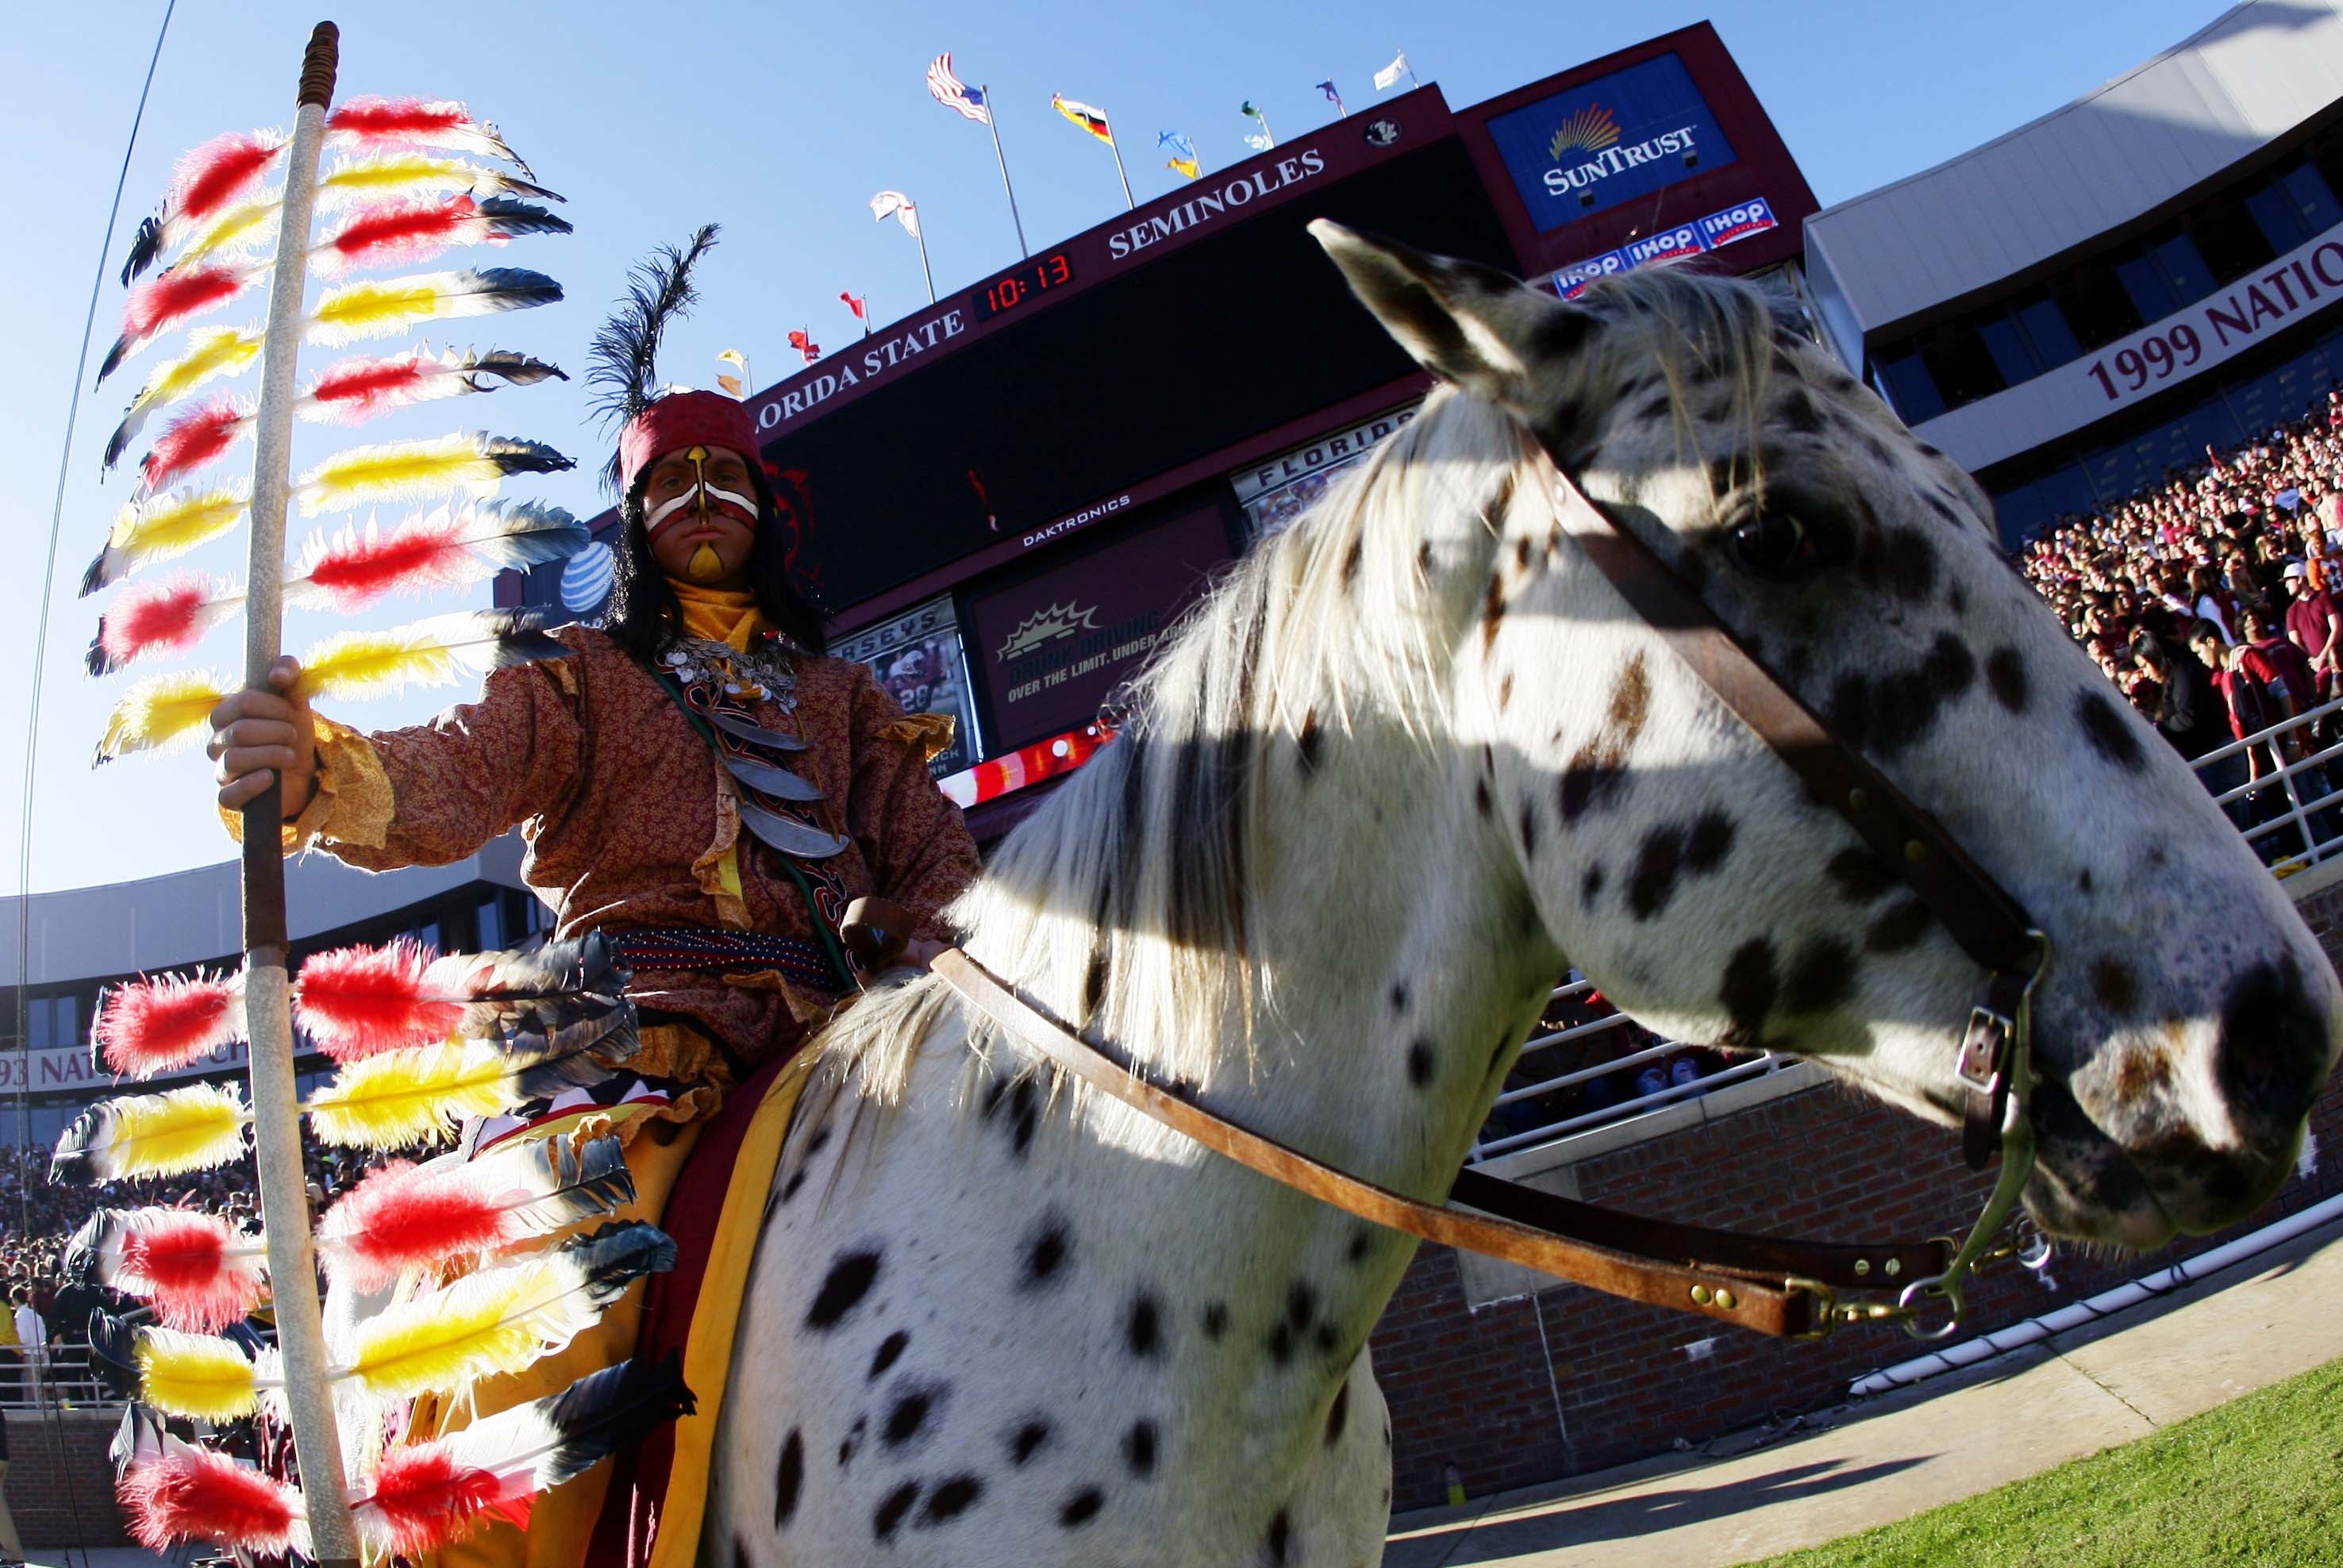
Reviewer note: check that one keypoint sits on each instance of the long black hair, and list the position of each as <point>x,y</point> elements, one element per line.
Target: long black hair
<point>643,615</point>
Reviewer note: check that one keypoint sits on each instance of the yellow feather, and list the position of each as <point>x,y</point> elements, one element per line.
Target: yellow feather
<point>360,310</point>
<point>211,351</point>
<point>237,229</point>
<point>163,527</point>
<point>401,470</point>
<point>403,1097</point>
<point>433,651</point>
<point>195,1376</point>
<point>496,1320</point>
<point>162,714</point>
<point>395,175</point>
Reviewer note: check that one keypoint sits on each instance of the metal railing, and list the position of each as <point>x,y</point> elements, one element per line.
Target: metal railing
<point>1563,1094</point>
<point>59,1376</point>
<point>2291,808</point>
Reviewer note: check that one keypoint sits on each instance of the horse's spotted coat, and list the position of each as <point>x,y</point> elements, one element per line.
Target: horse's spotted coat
<point>1036,1328</point>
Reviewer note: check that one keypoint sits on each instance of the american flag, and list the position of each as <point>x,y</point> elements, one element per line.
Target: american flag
<point>954,94</point>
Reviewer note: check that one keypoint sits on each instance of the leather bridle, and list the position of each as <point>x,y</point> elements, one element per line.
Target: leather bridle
<point>1772,1284</point>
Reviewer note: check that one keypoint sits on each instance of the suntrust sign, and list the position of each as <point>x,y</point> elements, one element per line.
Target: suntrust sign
<point>1610,140</point>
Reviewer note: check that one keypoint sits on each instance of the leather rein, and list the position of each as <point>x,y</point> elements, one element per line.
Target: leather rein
<point>1774,1285</point>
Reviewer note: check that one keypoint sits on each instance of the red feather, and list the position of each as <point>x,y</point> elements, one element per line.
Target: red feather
<point>402,1217</point>
<point>193,1494</point>
<point>405,231</point>
<point>192,440</point>
<point>358,389</point>
<point>150,1026</point>
<point>425,553</point>
<point>212,175</point>
<point>425,1498</point>
<point>415,122</point>
<point>168,617</point>
<point>361,1001</point>
<point>164,301</point>
<point>178,1259</point>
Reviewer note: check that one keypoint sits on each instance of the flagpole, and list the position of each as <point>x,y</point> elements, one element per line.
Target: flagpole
<point>920,233</point>
<point>1116,148</point>
<point>268,1025</point>
<point>993,123</point>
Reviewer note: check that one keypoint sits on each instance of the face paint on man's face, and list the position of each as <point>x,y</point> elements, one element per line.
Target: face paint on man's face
<point>703,498</point>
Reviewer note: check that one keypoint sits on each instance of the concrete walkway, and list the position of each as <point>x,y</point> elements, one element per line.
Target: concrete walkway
<point>1899,1454</point>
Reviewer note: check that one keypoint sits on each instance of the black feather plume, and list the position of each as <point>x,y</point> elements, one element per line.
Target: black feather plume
<point>601,1412</point>
<point>515,455</point>
<point>511,218</point>
<point>510,366</point>
<point>144,247</point>
<point>624,373</point>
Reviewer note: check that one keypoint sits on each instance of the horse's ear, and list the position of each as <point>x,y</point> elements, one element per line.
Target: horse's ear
<point>1463,322</point>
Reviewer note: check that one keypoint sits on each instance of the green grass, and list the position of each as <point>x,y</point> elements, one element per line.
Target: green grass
<point>2258,1481</point>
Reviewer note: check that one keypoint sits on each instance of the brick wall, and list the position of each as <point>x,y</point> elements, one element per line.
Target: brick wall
<point>56,1461</point>
<point>1569,1380</point>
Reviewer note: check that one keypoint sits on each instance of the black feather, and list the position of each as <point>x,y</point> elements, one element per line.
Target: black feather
<point>79,1265</point>
<point>114,1353</point>
<point>513,455</point>
<point>516,288</point>
<point>522,188</point>
<point>584,1043</point>
<point>605,1412</point>
<point>144,247</point>
<point>624,370</point>
<point>511,366</point>
<point>94,576</point>
<point>619,1253</point>
<point>124,434</point>
<point>96,659</point>
<point>510,217</point>
<point>113,361</point>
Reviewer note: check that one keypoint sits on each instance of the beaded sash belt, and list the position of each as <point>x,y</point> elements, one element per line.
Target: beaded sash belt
<point>706,950</point>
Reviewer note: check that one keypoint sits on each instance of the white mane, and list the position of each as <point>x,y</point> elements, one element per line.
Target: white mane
<point>1125,903</point>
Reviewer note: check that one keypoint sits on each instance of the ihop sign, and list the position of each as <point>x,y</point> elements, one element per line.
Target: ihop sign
<point>1608,141</point>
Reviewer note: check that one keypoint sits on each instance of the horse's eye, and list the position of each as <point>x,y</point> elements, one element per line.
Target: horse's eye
<point>1769,542</point>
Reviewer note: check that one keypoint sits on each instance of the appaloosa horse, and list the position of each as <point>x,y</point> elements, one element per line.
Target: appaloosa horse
<point>1409,761</point>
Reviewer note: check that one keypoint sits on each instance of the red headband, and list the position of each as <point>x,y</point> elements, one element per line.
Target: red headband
<point>682,420</point>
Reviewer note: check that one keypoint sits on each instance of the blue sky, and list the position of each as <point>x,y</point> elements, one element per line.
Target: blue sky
<point>778,122</point>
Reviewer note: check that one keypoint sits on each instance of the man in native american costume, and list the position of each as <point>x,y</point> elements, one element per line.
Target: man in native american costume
<point>696,781</point>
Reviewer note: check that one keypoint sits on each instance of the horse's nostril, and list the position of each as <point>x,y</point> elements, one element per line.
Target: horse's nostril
<point>2271,1058</point>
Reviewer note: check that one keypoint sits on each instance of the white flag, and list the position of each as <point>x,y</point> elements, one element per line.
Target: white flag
<point>896,205</point>
<point>1389,75</point>
<point>1259,144</point>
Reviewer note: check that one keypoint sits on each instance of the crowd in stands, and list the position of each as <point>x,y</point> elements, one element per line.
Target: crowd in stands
<point>2211,599</point>
<point>43,1317</point>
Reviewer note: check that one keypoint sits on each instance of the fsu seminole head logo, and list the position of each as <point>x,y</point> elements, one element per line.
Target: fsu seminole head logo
<point>1590,130</point>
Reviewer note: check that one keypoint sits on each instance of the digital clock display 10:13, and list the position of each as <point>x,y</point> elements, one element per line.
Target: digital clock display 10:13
<point>1030,281</point>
